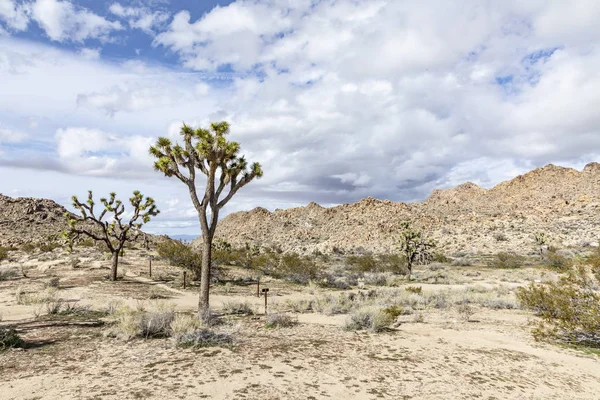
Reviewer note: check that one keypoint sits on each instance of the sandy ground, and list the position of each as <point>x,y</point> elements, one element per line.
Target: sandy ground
<point>443,357</point>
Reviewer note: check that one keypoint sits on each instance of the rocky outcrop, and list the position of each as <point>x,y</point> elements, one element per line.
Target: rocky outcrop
<point>563,202</point>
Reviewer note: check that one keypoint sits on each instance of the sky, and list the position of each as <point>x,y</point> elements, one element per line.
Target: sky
<point>338,100</point>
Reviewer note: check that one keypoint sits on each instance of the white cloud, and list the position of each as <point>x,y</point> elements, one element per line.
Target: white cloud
<point>63,21</point>
<point>90,54</point>
<point>14,15</point>
<point>338,99</point>
<point>141,18</point>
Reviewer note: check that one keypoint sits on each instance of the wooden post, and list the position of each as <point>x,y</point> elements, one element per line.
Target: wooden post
<point>184,278</point>
<point>150,266</point>
<point>265,291</point>
<point>257,287</point>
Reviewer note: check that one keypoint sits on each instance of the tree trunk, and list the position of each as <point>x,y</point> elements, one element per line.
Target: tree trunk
<point>203,304</point>
<point>115,263</point>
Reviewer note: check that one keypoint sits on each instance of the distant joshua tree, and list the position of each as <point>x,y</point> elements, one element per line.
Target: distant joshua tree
<point>540,239</point>
<point>207,151</point>
<point>413,244</point>
<point>113,231</point>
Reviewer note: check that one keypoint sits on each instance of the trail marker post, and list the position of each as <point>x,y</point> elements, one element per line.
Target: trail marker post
<point>266,292</point>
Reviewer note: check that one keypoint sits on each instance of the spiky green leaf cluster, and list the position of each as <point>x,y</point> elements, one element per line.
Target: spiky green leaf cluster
<point>208,151</point>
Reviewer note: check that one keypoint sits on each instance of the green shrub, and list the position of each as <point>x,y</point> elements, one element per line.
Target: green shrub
<point>557,261</point>
<point>381,263</point>
<point>3,253</point>
<point>414,289</point>
<point>569,309</point>
<point>48,247</point>
<point>290,266</point>
<point>8,273</point>
<point>441,258</point>
<point>89,242</point>
<point>28,248</point>
<point>180,255</point>
<point>9,338</point>
<point>506,260</point>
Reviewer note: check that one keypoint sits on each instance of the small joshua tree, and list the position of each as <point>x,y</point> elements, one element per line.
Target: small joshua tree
<point>207,151</point>
<point>114,233</point>
<point>540,239</point>
<point>413,244</point>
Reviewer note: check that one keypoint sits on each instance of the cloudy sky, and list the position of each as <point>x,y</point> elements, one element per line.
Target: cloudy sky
<point>337,99</point>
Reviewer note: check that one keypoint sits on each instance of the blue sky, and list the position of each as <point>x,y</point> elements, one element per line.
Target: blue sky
<point>338,100</point>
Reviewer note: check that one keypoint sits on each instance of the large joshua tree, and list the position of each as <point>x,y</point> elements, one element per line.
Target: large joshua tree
<point>109,226</point>
<point>207,151</point>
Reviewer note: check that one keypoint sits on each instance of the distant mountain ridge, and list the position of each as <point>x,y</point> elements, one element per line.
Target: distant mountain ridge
<point>563,202</point>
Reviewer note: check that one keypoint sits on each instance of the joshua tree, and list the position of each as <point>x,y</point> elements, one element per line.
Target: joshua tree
<point>541,239</point>
<point>208,151</point>
<point>413,244</point>
<point>113,233</point>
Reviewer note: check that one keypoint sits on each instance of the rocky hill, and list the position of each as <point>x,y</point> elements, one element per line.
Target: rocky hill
<point>29,220</point>
<point>562,202</point>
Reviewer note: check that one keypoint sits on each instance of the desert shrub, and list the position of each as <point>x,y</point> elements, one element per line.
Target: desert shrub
<point>506,260</point>
<point>332,280</point>
<point>435,266</point>
<point>9,338</point>
<point>48,246</point>
<point>3,253</point>
<point>237,307</point>
<point>569,309</point>
<point>414,289</point>
<point>441,258</point>
<point>557,261</point>
<point>54,306</point>
<point>368,318</point>
<point>184,323</point>
<point>419,317</point>
<point>376,278</point>
<point>87,243</point>
<point>331,305</point>
<point>297,306</point>
<point>299,269</point>
<point>204,338</point>
<point>465,311</point>
<point>8,273</point>
<point>54,282</point>
<point>180,255</point>
<point>277,320</point>
<point>45,296</point>
<point>156,293</point>
<point>289,266</point>
<point>28,248</point>
<point>500,237</point>
<point>462,262</point>
<point>394,311</point>
<point>394,263</point>
<point>154,322</point>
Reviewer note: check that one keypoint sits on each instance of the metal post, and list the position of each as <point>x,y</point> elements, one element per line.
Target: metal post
<point>184,278</point>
